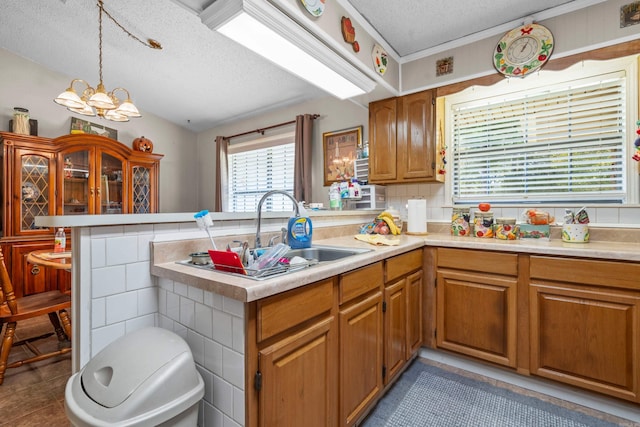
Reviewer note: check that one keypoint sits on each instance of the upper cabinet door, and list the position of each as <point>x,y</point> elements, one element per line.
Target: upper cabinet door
<point>416,136</point>
<point>78,194</point>
<point>143,188</point>
<point>33,191</point>
<point>111,190</point>
<point>382,140</point>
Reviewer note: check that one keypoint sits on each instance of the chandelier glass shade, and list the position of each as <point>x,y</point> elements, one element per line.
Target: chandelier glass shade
<point>99,102</point>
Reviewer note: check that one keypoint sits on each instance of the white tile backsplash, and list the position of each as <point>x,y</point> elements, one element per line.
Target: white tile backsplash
<point>222,328</point>
<point>204,320</point>
<point>98,253</point>
<point>108,281</point>
<point>148,301</point>
<point>122,250</point>
<point>140,322</point>
<point>233,367</point>
<point>187,312</point>
<point>121,307</point>
<point>98,312</point>
<point>138,275</point>
<point>223,395</point>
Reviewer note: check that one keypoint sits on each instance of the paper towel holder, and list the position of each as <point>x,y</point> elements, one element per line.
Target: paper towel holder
<point>417,214</point>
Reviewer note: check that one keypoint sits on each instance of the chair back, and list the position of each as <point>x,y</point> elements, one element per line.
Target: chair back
<point>6,288</point>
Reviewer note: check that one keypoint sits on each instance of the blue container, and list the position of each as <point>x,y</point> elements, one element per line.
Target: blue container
<point>299,232</point>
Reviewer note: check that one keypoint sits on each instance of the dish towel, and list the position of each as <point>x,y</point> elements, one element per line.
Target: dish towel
<point>377,239</point>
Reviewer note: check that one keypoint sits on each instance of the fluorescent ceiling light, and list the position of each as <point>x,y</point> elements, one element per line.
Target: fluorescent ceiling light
<point>261,27</point>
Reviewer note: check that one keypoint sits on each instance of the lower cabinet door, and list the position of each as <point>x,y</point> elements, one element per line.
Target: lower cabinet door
<point>360,357</point>
<point>299,379</point>
<point>414,313</point>
<point>587,337</point>
<point>395,328</point>
<point>476,315</point>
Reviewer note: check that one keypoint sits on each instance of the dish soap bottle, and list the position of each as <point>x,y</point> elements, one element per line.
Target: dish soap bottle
<point>60,241</point>
<point>299,230</point>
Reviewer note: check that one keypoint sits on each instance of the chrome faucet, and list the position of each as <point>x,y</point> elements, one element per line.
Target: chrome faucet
<point>266,196</point>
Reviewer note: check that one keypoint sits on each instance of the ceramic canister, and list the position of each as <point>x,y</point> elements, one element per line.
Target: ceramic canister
<point>483,224</point>
<point>460,222</point>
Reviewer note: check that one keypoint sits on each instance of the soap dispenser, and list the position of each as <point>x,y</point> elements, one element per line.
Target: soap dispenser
<point>299,230</point>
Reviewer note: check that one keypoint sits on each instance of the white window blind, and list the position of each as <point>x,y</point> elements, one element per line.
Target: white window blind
<point>257,167</point>
<point>565,143</point>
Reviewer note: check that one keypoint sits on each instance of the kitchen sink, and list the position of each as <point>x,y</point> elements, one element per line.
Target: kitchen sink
<point>312,256</point>
<point>325,253</point>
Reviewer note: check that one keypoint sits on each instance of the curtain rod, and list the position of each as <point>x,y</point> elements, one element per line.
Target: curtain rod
<point>261,130</point>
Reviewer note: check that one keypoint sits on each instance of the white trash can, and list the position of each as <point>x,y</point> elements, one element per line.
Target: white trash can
<point>146,378</point>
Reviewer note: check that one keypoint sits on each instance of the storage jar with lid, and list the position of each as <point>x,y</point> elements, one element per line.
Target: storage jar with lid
<point>483,224</point>
<point>460,222</point>
<point>506,229</point>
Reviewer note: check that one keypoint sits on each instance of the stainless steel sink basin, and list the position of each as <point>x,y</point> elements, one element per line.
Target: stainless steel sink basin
<point>312,256</point>
<point>325,253</point>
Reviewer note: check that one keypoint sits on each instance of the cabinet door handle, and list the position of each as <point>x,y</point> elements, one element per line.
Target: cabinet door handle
<point>98,192</point>
<point>91,191</point>
<point>35,270</point>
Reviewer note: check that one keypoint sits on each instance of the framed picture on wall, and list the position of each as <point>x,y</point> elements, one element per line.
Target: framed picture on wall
<point>340,149</point>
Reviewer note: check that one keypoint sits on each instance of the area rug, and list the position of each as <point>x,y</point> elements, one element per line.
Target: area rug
<point>426,395</point>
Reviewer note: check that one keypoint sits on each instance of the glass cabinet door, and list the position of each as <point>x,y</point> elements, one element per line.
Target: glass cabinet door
<point>110,188</point>
<point>35,190</point>
<point>77,193</point>
<point>141,187</point>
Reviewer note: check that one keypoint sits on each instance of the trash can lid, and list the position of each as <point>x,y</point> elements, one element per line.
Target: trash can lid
<point>115,373</point>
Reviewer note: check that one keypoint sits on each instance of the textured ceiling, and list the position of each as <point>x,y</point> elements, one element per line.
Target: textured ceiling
<point>201,79</point>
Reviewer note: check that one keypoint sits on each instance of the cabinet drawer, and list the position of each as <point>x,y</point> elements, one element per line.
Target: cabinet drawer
<point>403,264</point>
<point>283,311</point>
<point>586,272</point>
<point>482,261</point>
<point>360,281</point>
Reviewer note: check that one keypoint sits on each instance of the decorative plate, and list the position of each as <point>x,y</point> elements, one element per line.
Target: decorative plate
<point>523,50</point>
<point>380,59</point>
<point>314,7</point>
<point>30,192</point>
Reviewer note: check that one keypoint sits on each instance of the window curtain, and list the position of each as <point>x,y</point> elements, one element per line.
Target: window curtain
<point>303,157</point>
<point>222,174</point>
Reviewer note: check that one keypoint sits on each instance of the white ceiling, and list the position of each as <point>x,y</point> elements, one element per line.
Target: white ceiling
<point>200,79</point>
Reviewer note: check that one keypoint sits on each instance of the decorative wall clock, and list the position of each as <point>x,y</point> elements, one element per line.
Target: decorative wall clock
<point>523,50</point>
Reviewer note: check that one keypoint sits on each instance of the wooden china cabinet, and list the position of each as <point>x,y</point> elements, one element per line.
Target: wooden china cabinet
<point>71,175</point>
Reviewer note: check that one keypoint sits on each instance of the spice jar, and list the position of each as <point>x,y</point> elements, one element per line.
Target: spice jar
<point>483,224</point>
<point>460,222</point>
<point>21,121</point>
<point>506,229</point>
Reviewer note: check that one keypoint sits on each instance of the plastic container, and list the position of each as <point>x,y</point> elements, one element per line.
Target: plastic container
<point>460,218</point>
<point>483,224</point>
<point>60,241</point>
<point>335,201</point>
<point>506,229</point>
<point>575,233</point>
<point>145,378</point>
<point>299,232</point>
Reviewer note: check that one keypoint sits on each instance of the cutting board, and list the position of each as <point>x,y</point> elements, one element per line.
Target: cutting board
<point>227,261</point>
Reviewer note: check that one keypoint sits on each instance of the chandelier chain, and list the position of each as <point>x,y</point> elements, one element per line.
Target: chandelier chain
<point>100,39</point>
<point>150,43</point>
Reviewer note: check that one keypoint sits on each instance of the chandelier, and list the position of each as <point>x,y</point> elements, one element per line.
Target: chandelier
<point>98,101</point>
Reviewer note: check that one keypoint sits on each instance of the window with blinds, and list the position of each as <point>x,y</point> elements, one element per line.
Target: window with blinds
<point>558,144</point>
<point>257,167</point>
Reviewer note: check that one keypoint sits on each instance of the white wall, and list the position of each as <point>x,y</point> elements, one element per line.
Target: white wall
<point>334,115</point>
<point>585,29</point>
<point>24,83</point>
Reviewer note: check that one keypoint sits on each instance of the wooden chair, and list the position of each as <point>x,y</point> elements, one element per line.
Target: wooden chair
<point>14,310</point>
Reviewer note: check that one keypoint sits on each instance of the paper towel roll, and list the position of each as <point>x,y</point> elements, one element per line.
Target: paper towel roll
<point>417,217</point>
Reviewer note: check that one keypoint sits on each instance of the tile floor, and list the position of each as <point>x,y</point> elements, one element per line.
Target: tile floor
<point>33,395</point>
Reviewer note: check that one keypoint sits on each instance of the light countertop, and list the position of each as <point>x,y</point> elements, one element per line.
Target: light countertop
<point>246,290</point>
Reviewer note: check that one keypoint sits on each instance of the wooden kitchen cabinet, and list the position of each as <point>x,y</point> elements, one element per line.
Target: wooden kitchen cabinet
<point>402,146</point>
<point>585,324</point>
<point>296,376</point>
<point>361,341</point>
<point>317,355</point>
<point>476,304</point>
<point>402,311</point>
<point>72,174</point>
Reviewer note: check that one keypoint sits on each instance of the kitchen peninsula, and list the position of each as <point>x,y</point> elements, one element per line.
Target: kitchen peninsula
<point>125,277</point>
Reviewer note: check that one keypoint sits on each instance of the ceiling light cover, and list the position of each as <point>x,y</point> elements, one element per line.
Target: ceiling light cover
<point>261,27</point>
